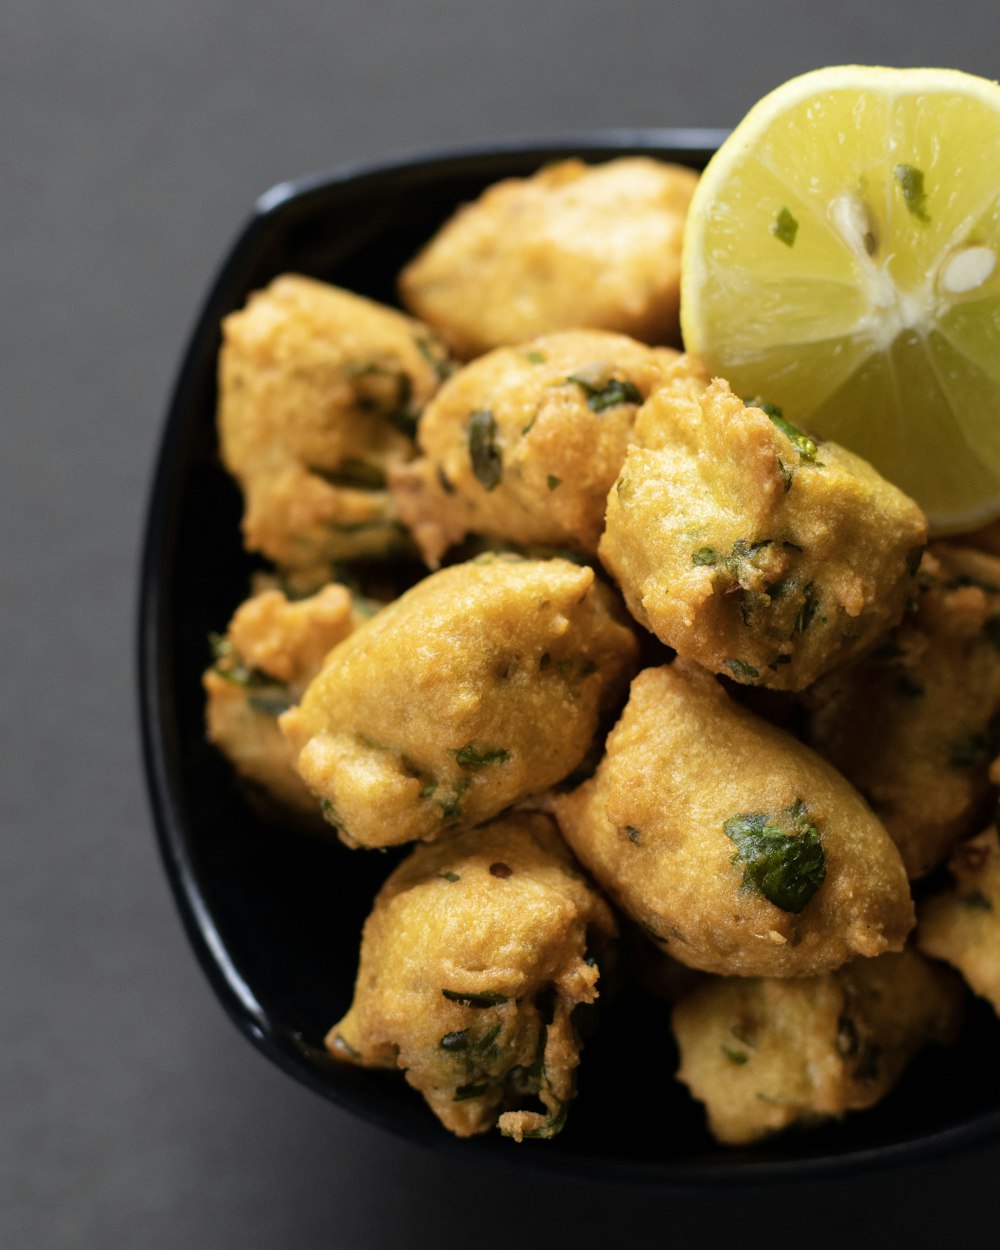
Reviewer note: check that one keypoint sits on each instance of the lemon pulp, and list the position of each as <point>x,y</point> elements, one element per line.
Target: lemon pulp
<point>842,259</point>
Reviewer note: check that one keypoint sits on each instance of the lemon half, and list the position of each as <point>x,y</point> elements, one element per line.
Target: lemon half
<point>842,260</point>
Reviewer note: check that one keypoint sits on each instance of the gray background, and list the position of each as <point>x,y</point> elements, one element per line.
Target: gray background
<point>133,140</point>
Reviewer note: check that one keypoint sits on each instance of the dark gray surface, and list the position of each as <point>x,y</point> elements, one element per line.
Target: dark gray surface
<point>133,139</point>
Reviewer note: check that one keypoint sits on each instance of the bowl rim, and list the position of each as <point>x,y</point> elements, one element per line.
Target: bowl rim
<point>154,652</point>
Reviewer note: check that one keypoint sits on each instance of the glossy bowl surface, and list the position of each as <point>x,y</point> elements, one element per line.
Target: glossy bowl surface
<point>275,919</point>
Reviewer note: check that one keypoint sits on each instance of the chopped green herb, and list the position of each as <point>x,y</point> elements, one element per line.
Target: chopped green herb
<point>735,1056</point>
<point>748,600</point>
<point>807,611</point>
<point>791,546</point>
<point>329,813</point>
<point>459,1040</point>
<point>436,357</point>
<point>632,833</point>
<point>704,555</point>
<point>785,228</point>
<point>976,900</point>
<point>473,756</point>
<point>535,358</point>
<point>661,939</point>
<point>470,1091</point>
<point>449,876</point>
<point>610,394</point>
<point>487,463</point>
<point>395,402</point>
<point>552,1126</point>
<point>911,183</point>
<point>486,999</point>
<point>451,807</point>
<point>271,704</point>
<point>353,474</point>
<point>485,1043</point>
<point>747,552</point>
<point>741,670</point>
<point>787,475</point>
<point>768,409</point>
<point>264,693</point>
<point>803,444</point>
<point>553,481</point>
<point>782,856</point>
<point>429,790</point>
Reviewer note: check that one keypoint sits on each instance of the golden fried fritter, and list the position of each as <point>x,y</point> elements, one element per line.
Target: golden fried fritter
<point>916,725</point>
<point>763,1053</point>
<point>479,687</point>
<point>750,548</point>
<point>962,924</point>
<point>319,392</point>
<point>738,849</point>
<point>523,444</point>
<point>270,652</point>
<point>573,246</point>
<point>475,955</point>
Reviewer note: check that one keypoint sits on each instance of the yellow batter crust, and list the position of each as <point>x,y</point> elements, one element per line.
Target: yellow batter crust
<point>573,246</point>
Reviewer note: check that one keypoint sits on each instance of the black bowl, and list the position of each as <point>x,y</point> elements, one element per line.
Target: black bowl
<point>275,918</point>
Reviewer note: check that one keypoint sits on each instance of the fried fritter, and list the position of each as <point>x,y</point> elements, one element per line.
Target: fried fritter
<point>523,444</point>
<point>479,687</point>
<point>763,1053</point>
<point>916,726</point>
<point>319,392</point>
<point>749,547</point>
<point>738,849</point>
<point>573,246</point>
<point>270,652</point>
<point>962,924</point>
<point>477,952</point>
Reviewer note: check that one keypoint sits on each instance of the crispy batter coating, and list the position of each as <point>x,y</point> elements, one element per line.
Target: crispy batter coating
<point>270,652</point>
<point>916,725</point>
<point>319,391</point>
<point>475,955</point>
<point>736,847</point>
<point>573,246</point>
<point>763,1053</point>
<point>477,688</point>
<point>523,444</point>
<point>753,550</point>
<point>962,924</point>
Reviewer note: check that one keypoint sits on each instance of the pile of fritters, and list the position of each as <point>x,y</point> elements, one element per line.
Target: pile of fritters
<point>678,669</point>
